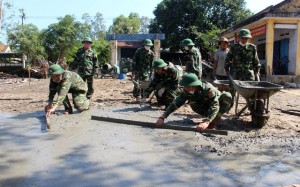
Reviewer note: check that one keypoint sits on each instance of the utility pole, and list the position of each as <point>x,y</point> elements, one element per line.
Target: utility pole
<point>22,15</point>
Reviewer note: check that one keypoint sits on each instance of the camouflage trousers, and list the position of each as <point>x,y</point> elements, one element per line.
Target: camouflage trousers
<point>168,96</point>
<point>89,79</point>
<point>80,102</point>
<point>225,102</point>
<point>136,89</point>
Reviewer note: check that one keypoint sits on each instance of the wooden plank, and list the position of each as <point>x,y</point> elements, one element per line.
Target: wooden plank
<point>15,98</point>
<point>152,125</point>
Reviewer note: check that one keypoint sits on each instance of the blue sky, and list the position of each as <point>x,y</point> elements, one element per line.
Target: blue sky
<point>44,12</point>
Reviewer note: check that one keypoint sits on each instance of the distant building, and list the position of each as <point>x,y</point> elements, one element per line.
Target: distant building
<point>125,45</point>
<point>5,49</point>
<point>276,33</point>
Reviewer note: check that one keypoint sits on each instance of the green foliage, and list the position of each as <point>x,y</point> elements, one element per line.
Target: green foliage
<point>126,25</point>
<point>103,50</point>
<point>196,19</point>
<point>61,39</point>
<point>26,39</point>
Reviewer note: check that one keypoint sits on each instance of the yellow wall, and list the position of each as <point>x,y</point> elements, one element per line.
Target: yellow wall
<point>297,72</point>
<point>270,22</point>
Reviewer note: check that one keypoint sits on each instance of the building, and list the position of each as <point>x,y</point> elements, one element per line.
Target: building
<point>276,33</point>
<point>125,45</point>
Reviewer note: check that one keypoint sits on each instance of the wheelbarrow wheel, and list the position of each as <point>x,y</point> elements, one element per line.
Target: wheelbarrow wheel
<point>260,120</point>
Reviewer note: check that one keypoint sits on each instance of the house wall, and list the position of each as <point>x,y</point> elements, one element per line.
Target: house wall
<point>280,34</point>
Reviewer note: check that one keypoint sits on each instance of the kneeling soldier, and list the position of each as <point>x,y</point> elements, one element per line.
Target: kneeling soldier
<point>63,82</point>
<point>165,83</point>
<point>203,98</point>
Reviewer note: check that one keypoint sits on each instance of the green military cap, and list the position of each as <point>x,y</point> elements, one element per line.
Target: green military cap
<point>56,70</point>
<point>159,63</point>
<point>245,33</point>
<point>187,42</point>
<point>87,39</point>
<point>148,42</point>
<point>190,79</point>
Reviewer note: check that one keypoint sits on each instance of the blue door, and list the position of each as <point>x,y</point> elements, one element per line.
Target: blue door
<point>284,56</point>
<point>276,58</point>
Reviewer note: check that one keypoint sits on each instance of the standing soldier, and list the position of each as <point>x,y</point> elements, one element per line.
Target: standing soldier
<point>142,69</point>
<point>87,63</point>
<point>203,98</point>
<point>164,83</point>
<point>63,82</point>
<point>220,57</point>
<point>193,58</point>
<point>242,62</point>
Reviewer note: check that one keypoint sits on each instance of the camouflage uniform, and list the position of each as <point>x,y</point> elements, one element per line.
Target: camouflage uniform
<point>242,62</point>
<point>208,102</point>
<point>193,64</point>
<point>142,67</point>
<point>87,63</point>
<point>168,80</point>
<point>70,83</point>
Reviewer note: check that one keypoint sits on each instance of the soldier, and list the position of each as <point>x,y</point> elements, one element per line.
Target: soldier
<point>203,98</point>
<point>193,59</point>
<point>63,82</point>
<point>165,83</point>
<point>87,63</point>
<point>220,56</point>
<point>142,69</point>
<point>242,62</point>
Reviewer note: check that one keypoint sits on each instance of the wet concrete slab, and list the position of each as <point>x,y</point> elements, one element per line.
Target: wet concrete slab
<point>81,152</point>
<point>145,116</point>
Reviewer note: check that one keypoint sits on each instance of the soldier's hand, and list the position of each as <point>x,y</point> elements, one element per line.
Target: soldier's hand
<point>202,126</point>
<point>50,111</point>
<point>48,107</point>
<point>160,122</point>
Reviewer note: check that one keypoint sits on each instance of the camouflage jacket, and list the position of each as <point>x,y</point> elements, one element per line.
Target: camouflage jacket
<point>169,79</point>
<point>194,64</point>
<point>86,61</point>
<point>143,61</point>
<point>71,83</point>
<point>242,62</point>
<point>206,99</point>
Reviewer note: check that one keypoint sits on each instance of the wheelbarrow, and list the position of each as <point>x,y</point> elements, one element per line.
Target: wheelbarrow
<point>257,95</point>
<point>222,85</point>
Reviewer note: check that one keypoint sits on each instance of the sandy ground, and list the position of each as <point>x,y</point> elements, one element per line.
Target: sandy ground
<point>81,152</point>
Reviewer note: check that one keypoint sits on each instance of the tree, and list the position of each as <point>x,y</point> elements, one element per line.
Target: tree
<point>98,26</point>
<point>144,26</point>
<point>126,25</point>
<point>102,48</point>
<point>61,40</point>
<point>195,18</point>
<point>26,39</point>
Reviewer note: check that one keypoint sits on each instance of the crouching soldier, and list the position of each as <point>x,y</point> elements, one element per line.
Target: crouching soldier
<point>203,98</point>
<point>164,83</point>
<point>63,82</point>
